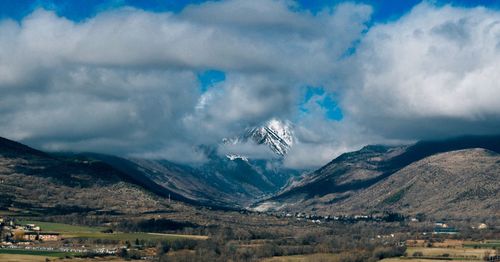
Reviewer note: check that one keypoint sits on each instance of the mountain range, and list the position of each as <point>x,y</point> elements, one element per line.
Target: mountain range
<point>456,177</point>
<point>432,177</point>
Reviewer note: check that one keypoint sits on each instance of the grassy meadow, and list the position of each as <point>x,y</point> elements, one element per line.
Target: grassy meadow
<point>72,231</point>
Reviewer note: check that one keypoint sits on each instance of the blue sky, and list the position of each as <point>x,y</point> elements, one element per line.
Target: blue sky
<point>209,78</point>
<point>384,10</point>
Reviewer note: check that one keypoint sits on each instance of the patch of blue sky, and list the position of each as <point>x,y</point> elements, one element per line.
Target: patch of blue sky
<point>210,78</point>
<point>383,10</point>
<point>331,107</point>
<point>81,10</point>
<point>389,10</point>
<point>326,101</point>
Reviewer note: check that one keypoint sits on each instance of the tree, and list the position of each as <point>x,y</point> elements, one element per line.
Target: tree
<point>18,235</point>
<point>123,253</point>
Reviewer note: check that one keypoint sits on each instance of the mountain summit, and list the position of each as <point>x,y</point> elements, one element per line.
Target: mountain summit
<point>275,133</point>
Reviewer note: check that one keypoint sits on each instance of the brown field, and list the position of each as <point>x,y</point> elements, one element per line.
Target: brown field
<point>21,258</point>
<point>462,253</point>
<point>303,258</point>
<point>455,243</point>
<point>417,260</point>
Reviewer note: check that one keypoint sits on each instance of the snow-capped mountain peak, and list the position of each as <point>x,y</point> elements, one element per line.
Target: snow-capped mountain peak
<point>276,134</point>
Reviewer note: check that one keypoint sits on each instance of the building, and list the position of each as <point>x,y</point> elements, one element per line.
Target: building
<point>30,236</point>
<point>49,236</point>
<point>441,224</point>
<point>32,227</point>
<point>445,230</point>
<point>42,236</point>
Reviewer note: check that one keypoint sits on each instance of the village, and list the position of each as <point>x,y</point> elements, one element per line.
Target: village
<point>12,232</point>
<point>32,237</point>
<point>439,227</point>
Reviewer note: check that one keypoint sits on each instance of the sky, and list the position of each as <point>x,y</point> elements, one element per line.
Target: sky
<point>158,78</point>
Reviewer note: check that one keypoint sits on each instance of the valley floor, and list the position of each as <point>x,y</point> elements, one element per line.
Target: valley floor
<point>187,233</point>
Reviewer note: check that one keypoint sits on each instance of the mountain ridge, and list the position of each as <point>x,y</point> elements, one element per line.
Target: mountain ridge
<point>343,185</point>
<point>356,172</point>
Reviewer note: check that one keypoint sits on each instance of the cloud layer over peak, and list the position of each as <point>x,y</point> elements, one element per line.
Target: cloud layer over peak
<point>126,81</point>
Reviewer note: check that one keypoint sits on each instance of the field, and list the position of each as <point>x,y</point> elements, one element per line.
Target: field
<point>33,253</point>
<point>303,258</point>
<point>71,231</point>
<point>451,253</point>
<point>21,258</point>
<point>33,258</point>
<point>132,236</point>
<point>418,260</point>
<point>485,244</point>
<point>62,228</point>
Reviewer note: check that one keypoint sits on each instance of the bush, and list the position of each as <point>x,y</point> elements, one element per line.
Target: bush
<point>179,244</point>
<point>387,252</point>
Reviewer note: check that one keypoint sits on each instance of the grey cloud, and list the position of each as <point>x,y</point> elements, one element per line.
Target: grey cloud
<point>125,81</point>
<point>430,74</point>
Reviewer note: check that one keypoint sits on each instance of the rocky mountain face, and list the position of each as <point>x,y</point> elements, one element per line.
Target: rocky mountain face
<point>221,181</point>
<point>378,178</point>
<point>39,182</point>
<point>275,134</point>
<point>463,183</point>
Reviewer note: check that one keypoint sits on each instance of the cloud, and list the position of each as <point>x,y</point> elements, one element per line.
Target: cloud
<point>248,150</point>
<point>319,139</point>
<point>432,73</point>
<point>126,80</point>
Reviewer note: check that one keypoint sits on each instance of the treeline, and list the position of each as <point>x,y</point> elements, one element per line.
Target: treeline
<point>230,244</point>
<point>152,225</point>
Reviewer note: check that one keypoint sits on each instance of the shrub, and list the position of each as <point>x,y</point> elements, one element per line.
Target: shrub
<point>387,252</point>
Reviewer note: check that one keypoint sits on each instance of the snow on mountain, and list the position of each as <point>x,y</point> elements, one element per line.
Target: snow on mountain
<point>276,134</point>
<point>233,157</point>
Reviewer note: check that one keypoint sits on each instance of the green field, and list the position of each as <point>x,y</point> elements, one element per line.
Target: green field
<point>35,252</point>
<point>71,231</point>
<point>133,236</point>
<point>487,244</point>
<point>62,228</point>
